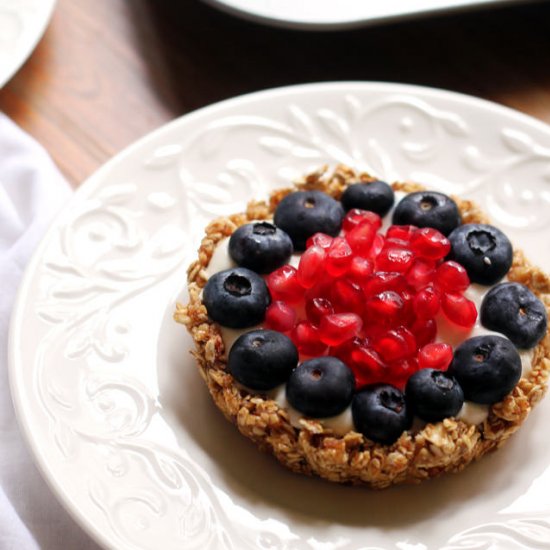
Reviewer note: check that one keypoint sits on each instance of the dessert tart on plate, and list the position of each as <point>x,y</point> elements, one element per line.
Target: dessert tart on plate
<point>368,333</point>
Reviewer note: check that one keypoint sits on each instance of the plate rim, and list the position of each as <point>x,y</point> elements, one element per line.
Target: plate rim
<point>16,318</point>
<point>231,7</point>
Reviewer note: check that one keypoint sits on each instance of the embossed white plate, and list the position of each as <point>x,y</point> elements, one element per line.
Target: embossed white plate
<point>334,15</point>
<point>22,23</point>
<point>107,393</point>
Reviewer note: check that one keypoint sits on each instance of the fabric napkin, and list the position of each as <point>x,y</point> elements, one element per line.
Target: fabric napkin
<point>31,191</point>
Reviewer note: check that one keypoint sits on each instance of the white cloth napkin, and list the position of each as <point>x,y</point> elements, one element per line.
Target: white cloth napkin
<point>31,191</point>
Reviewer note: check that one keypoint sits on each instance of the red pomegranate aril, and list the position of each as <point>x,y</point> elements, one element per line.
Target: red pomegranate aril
<point>430,243</point>
<point>401,232</point>
<point>424,331</point>
<point>357,217</point>
<point>306,338</point>
<point>316,308</point>
<point>367,366</point>
<point>394,259</point>
<point>311,266</point>
<point>384,308</point>
<point>347,296</point>
<point>435,356</point>
<point>452,277</point>
<point>360,269</point>
<point>377,246</point>
<point>392,242</point>
<point>398,372</point>
<point>383,280</point>
<point>337,328</point>
<point>361,238</point>
<point>280,316</point>
<point>396,344</point>
<point>284,285</point>
<point>426,303</point>
<point>421,273</point>
<point>459,310</point>
<point>339,257</point>
<point>320,239</point>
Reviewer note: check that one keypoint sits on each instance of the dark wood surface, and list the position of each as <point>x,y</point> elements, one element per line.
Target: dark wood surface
<point>109,71</point>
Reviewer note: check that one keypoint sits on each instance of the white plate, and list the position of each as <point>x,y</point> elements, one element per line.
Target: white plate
<point>109,398</point>
<point>340,14</point>
<point>22,23</point>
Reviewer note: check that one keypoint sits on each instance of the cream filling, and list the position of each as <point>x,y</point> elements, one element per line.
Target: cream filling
<point>472,413</point>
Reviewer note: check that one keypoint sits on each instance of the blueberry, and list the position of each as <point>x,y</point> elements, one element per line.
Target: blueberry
<point>487,368</point>
<point>260,246</point>
<point>433,395</point>
<point>483,250</point>
<point>262,359</point>
<point>304,213</point>
<point>320,387</point>
<point>427,209</point>
<point>376,196</point>
<point>380,413</point>
<point>236,298</point>
<point>513,310</point>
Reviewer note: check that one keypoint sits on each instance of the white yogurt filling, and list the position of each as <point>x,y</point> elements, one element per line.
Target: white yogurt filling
<point>471,413</point>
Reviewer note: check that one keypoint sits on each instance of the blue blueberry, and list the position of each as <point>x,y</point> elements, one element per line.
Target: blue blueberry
<point>513,310</point>
<point>236,298</point>
<point>260,246</point>
<point>376,196</point>
<point>262,359</point>
<point>427,209</point>
<point>433,395</point>
<point>380,413</point>
<point>487,368</point>
<point>303,213</point>
<point>320,387</point>
<point>483,250</point>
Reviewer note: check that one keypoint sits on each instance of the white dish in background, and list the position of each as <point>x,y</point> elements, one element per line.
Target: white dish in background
<point>22,24</point>
<point>109,398</point>
<point>340,14</point>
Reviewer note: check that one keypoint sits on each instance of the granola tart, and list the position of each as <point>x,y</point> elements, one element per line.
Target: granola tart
<point>309,446</point>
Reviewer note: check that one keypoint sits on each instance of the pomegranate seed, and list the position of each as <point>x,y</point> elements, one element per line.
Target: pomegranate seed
<point>311,265</point>
<point>361,238</point>
<point>367,366</point>
<point>357,217</point>
<point>459,310</point>
<point>452,277</point>
<point>385,308</point>
<point>360,268</point>
<point>426,303</point>
<point>382,280</point>
<point>347,296</point>
<point>377,246</point>
<point>401,232</point>
<point>316,308</point>
<point>394,259</point>
<point>407,315</point>
<point>339,257</point>
<point>392,242</point>
<point>400,371</point>
<point>320,239</point>
<point>306,338</point>
<point>396,344</point>
<point>421,273</point>
<point>424,331</point>
<point>337,328</point>
<point>435,356</point>
<point>284,285</point>
<point>280,316</point>
<point>430,243</point>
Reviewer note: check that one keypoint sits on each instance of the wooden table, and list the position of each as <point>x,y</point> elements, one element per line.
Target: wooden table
<point>109,71</point>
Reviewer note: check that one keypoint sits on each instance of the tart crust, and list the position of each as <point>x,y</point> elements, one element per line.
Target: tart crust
<point>446,446</point>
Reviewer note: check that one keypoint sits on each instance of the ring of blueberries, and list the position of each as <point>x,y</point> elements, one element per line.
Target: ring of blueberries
<point>360,308</point>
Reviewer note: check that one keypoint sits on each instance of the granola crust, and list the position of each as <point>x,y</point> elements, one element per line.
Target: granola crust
<point>446,446</point>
